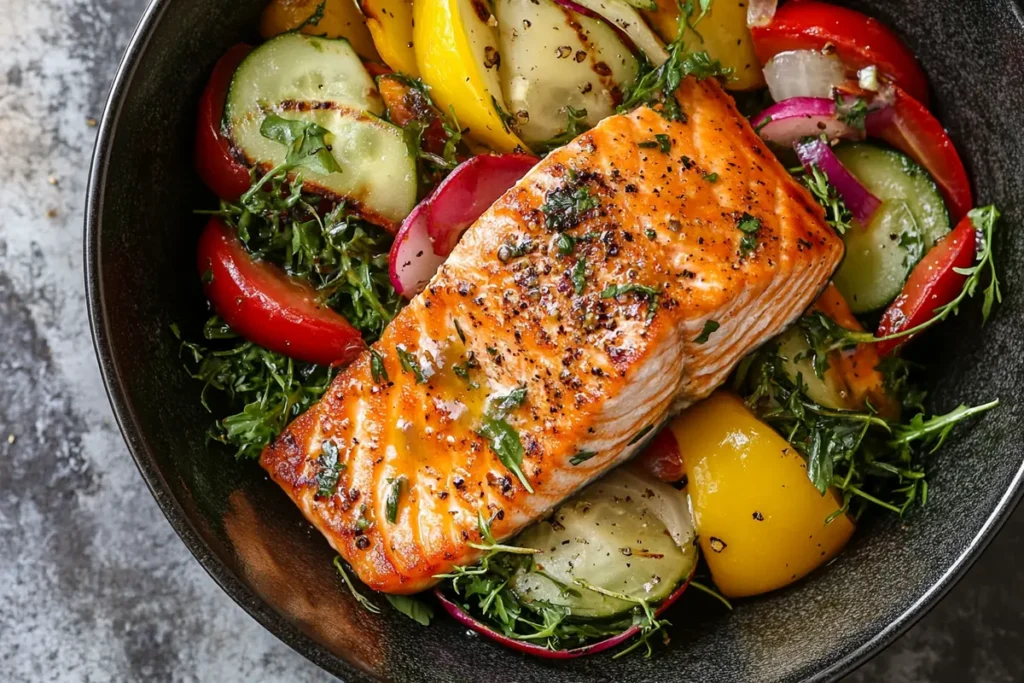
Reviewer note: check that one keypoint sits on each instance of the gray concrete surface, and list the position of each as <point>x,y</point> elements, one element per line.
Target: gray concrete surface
<point>94,585</point>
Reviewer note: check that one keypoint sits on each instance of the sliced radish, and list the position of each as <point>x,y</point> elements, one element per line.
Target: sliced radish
<point>468,191</point>
<point>412,261</point>
<point>858,199</point>
<point>803,73</point>
<point>799,117</point>
<point>469,621</point>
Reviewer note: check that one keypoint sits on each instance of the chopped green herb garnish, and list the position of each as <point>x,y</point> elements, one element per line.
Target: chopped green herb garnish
<point>641,434</point>
<point>749,226</point>
<point>566,206</point>
<point>575,125</point>
<point>852,111</point>
<point>508,121</point>
<point>711,177</point>
<point>565,243</point>
<point>650,293</point>
<point>837,214</point>
<point>504,441</point>
<point>361,599</point>
<point>377,369</point>
<point>330,470</point>
<point>581,456</point>
<point>394,496</point>
<point>578,275</point>
<point>411,364</point>
<point>710,327</point>
<point>651,233</point>
<point>458,331</point>
<point>501,406</point>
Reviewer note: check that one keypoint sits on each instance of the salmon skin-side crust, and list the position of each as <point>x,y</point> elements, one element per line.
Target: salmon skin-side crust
<point>621,280</point>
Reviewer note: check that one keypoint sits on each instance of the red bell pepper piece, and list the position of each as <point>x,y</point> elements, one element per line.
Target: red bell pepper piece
<point>909,127</point>
<point>263,304</point>
<point>661,457</point>
<point>217,166</point>
<point>858,40</point>
<point>932,284</point>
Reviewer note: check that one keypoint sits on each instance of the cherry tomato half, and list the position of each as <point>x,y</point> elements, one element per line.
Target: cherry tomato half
<point>858,40</point>
<point>263,304</point>
<point>934,282</point>
<point>222,173</point>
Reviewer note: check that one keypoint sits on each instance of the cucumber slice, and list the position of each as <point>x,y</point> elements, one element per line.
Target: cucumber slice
<point>913,216</point>
<point>553,58</point>
<point>378,174</point>
<point>316,79</point>
<point>617,534</point>
<point>829,391</point>
<point>295,66</point>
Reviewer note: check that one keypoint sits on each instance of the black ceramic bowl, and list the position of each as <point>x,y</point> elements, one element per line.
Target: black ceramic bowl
<point>140,237</point>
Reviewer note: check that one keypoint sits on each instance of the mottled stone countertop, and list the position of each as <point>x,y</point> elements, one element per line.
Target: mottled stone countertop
<point>94,584</point>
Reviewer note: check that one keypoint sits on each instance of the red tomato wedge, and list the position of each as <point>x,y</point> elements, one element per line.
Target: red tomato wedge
<point>263,304</point>
<point>933,283</point>
<point>222,173</point>
<point>858,39</point>
<point>661,457</point>
<point>909,127</point>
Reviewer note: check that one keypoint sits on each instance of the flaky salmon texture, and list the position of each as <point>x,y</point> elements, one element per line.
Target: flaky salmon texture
<point>575,316</point>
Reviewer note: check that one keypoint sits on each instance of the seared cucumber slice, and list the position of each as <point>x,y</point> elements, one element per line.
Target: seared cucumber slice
<point>378,174</point>
<point>621,534</point>
<point>297,67</point>
<point>913,216</point>
<point>306,78</point>
<point>553,58</point>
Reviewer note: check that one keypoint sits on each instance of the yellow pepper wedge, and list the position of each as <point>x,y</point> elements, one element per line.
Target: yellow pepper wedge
<point>390,24</point>
<point>725,33</point>
<point>453,40</point>
<point>341,19</point>
<point>760,520</point>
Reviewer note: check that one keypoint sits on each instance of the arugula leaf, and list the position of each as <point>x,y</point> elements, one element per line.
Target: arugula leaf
<point>377,369</point>
<point>501,406</point>
<point>411,364</point>
<point>504,441</point>
<point>393,497</point>
<point>330,470</point>
<point>417,610</point>
<point>710,327</point>
<point>305,141</point>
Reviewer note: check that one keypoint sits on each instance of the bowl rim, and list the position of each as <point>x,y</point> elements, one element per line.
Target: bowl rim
<point>276,623</point>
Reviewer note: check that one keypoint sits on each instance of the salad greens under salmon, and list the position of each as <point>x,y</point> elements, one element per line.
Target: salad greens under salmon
<point>355,147</point>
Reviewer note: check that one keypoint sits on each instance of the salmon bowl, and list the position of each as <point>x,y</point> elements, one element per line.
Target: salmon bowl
<point>508,204</point>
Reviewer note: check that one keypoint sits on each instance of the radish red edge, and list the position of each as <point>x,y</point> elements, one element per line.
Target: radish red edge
<point>472,623</point>
<point>798,117</point>
<point>412,261</point>
<point>468,191</point>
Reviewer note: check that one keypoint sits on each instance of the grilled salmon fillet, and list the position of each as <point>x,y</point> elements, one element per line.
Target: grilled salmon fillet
<point>621,280</point>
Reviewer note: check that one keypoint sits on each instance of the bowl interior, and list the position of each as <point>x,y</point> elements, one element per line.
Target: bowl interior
<point>140,241</point>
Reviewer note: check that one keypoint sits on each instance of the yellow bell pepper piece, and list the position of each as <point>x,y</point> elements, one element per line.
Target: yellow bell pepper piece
<point>725,33</point>
<point>760,520</point>
<point>341,19</point>
<point>390,24</point>
<point>453,41</point>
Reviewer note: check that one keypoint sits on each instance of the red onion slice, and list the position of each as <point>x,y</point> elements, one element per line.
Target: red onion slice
<point>799,117</point>
<point>470,190</point>
<point>858,199</point>
<point>529,648</point>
